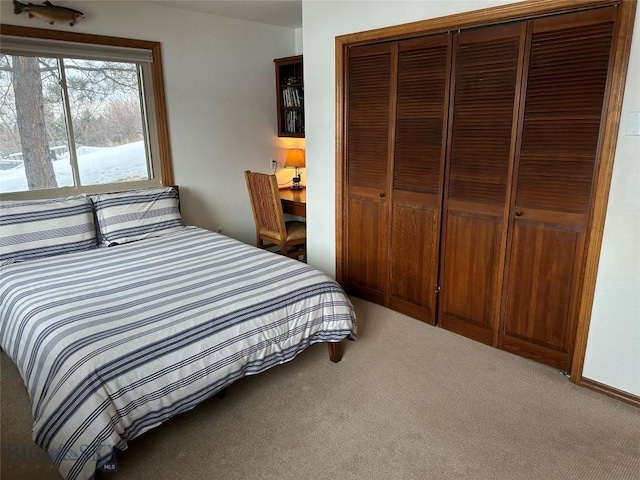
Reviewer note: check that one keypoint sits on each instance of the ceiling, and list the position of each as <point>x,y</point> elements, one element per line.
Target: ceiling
<point>283,13</point>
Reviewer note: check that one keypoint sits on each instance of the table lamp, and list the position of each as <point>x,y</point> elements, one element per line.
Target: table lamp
<point>295,159</point>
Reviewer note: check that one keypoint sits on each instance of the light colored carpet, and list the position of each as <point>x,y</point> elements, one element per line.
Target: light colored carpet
<point>408,401</point>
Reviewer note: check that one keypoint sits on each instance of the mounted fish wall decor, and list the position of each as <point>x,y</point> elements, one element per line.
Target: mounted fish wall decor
<point>48,11</point>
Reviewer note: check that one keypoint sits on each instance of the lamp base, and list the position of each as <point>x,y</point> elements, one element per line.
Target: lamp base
<point>295,181</point>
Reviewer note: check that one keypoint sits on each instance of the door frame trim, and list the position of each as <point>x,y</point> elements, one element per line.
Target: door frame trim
<point>611,114</point>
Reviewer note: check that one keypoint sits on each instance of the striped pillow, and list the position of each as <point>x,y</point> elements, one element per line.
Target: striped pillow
<point>137,214</point>
<point>41,228</point>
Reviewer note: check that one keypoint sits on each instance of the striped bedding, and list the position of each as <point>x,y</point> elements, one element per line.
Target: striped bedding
<point>113,341</point>
<point>42,228</point>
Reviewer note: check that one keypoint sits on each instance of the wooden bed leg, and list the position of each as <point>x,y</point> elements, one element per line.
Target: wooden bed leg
<point>221,394</point>
<point>335,351</point>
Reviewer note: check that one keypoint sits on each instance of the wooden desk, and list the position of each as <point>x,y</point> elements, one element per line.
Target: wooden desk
<point>294,202</point>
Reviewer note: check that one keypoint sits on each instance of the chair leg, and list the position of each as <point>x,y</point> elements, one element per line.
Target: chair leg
<point>295,251</point>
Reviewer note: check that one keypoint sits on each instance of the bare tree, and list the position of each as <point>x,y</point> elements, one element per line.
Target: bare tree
<point>27,86</point>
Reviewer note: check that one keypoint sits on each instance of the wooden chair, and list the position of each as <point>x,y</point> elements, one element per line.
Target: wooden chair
<point>271,229</point>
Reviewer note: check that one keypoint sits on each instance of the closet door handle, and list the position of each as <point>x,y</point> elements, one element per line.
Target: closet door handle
<point>518,213</point>
<point>382,194</point>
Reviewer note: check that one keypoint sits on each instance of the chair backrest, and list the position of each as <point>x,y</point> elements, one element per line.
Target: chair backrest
<point>265,202</point>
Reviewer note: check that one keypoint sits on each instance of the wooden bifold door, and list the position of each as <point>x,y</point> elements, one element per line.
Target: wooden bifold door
<point>470,159</point>
<point>551,200</point>
<point>486,85</point>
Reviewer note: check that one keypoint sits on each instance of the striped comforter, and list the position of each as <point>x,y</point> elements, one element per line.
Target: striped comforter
<point>113,341</point>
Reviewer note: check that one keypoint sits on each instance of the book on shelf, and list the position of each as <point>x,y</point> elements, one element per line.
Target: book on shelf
<point>294,121</point>
<point>292,97</point>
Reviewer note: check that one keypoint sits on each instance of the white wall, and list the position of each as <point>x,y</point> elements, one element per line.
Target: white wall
<point>299,43</point>
<point>220,90</point>
<point>613,349</point>
<point>613,353</point>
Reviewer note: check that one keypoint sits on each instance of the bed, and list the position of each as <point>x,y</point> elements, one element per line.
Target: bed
<point>112,341</point>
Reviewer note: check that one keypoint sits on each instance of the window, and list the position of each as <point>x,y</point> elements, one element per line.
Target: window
<point>79,114</point>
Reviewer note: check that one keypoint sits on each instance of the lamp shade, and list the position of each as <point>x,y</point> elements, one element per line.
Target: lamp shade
<point>295,158</point>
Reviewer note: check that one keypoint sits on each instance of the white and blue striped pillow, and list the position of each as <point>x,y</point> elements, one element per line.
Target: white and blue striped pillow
<point>137,214</point>
<point>41,228</point>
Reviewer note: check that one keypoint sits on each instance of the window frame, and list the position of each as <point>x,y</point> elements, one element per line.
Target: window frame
<point>156,110</point>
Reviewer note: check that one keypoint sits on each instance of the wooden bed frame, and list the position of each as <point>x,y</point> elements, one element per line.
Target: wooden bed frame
<point>335,351</point>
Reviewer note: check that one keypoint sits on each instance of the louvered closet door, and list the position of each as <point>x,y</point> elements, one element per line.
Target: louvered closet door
<point>482,143</point>
<point>420,131</point>
<point>367,214</point>
<point>567,78</point>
